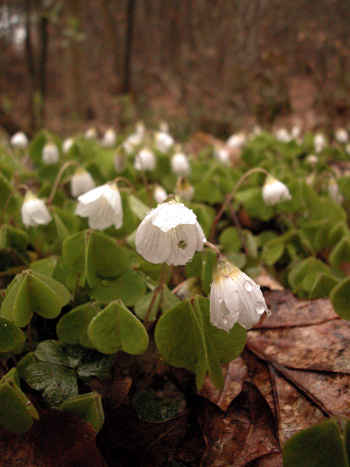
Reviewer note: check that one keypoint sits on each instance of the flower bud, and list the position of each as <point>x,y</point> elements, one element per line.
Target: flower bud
<point>145,160</point>
<point>342,136</point>
<point>81,182</point>
<point>19,140</point>
<point>109,138</point>
<point>180,164</point>
<point>67,144</point>
<point>34,211</point>
<point>274,191</point>
<point>159,194</point>
<point>91,133</point>
<point>319,142</point>
<point>237,140</point>
<point>184,190</point>
<point>50,154</point>
<point>163,141</point>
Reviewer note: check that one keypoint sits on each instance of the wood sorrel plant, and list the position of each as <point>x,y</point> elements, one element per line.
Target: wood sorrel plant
<point>89,281</point>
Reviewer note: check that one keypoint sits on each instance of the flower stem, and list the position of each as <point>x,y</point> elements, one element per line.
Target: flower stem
<point>58,179</point>
<point>156,292</point>
<point>123,179</point>
<point>230,197</point>
<point>214,248</point>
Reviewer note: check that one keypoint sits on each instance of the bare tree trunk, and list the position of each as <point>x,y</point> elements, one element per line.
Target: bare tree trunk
<point>130,22</point>
<point>41,77</point>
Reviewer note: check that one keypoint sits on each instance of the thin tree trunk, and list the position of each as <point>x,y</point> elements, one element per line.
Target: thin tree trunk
<point>41,81</point>
<point>130,22</point>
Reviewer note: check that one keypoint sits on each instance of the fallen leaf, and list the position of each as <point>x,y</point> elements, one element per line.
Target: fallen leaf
<point>298,361</point>
<point>56,439</point>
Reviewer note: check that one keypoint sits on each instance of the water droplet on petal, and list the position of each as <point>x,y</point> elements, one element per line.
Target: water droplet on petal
<point>257,286</point>
<point>29,405</point>
<point>260,308</point>
<point>248,286</point>
<point>105,283</point>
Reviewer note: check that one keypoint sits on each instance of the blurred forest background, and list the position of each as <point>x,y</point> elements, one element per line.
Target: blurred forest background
<point>213,65</point>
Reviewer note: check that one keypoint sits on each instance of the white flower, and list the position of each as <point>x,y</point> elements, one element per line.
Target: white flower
<point>222,154</point>
<point>169,234</point>
<point>34,211</point>
<point>159,194</point>
<point>163,141</point>
<point>91,133</point>
<point>50,154</point>
<point>145,160</point>
<point>274,191</point>
<point>234,297</point>
<point>237,140</point>
<point>333,191</point>
<point>312,160</point>
<point>282,134</point>
<point>103,207</point>
<point>81,182</point>
<point>342,136</point>
<point>19,140</point>
<point>67,144</point>
<point>109,138</point>
<point>319,142</point>
<point>180,164</point>
<point>296,131</point>
<point>184,190</point>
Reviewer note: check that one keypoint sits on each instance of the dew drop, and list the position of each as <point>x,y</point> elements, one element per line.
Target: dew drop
<point>257,287</point>
<point>29,405</point>
<point>248,286</point>
<point>105,283</point>
<point>260,308</point>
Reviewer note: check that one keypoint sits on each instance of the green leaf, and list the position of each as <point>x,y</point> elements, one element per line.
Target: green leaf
<point>56,382</point>
<point>51,351</point>
<point>253,202</point>
<point>207,192</point>
<point>11,237</point>
<point>209,261</point>
<point>24,363</point>
<point>186,339</point>
<point>116,328</point>
<point>153,408</point>
<point>104,258</point>
<point>96,365</point>
<point>32,292</point>
<point>138,207</point>
<point>230,240</point>
<point>45,267</point>
<point>340,298</point>
<point>301,270</point>
<point>319,284</point>
<point>6,190</point>
<point>325,444</point>
<point>128,288</point>
<point>72,327</point>
<point>86,406</point>
<point>340,253</point>
<point>14,415</point>
<point>272,251</point>
<point>10,335</point>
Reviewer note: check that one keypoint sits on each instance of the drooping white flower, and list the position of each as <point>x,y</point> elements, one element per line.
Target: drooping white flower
<point>341,135</point>
<point>109,138</point>
<point>50,154</point>
<point>169,234</point>
<point>319,142</point>
<point>234,297</point>
<point>282,134</point>
<point>180,164</point>
<point>145,160</point>
<point>103,207</point>
<point>163,141</point>
<point>34,211</point>
<point>67,144</point>
<point>81,182</point>
<point>312,160</point>
<point>184,190</point>
<point>159,194</point>
<point>274,191</point>
<point>237,140</point>
<point>19,140</point>
<point>333,191</point>
<point>91,133</point>
<point>222,154</point>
